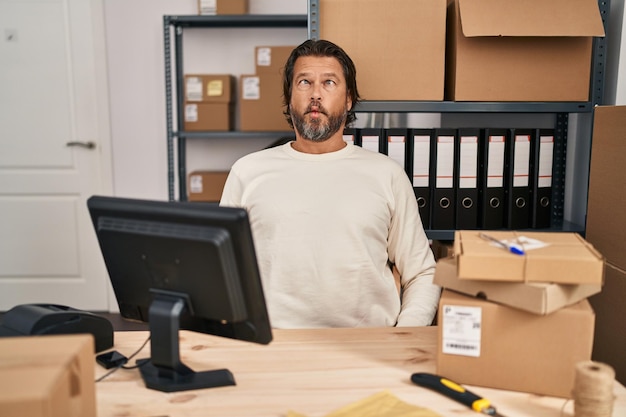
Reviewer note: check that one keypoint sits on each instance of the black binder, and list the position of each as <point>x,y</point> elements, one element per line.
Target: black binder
<point>491,180</point>
<point>370,138</point>
<point>442,184</point>
<point>350,135</point>
<point>395,145</point>
<point>419,169</point>
<point>541,179</point>
<point>518,178</point>
<point>466,178</point>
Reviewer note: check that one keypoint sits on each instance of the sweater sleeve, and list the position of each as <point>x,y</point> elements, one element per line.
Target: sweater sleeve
<point>410,251</point>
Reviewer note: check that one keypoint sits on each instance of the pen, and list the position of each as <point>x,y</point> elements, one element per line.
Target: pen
<point>511,248</point>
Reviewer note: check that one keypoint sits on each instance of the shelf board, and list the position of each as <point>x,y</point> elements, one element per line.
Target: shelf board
<point>471,107</point>
<point>233,135</point>
<point>243,21</point>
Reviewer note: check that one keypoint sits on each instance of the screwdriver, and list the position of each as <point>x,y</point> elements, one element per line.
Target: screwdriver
<point>456,392</point>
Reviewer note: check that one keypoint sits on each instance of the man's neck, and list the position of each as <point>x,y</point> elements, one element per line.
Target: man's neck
<point>332,144</point>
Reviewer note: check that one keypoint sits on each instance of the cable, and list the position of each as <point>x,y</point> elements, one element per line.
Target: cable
<point>123,366</point>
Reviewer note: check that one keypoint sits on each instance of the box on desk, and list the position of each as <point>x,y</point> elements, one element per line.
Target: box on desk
<point>47,376</point>
<point>398,46</point>
<point>520,51</point>
<point>533,297</point>
<point>491,345</point>
<point>564,258</point>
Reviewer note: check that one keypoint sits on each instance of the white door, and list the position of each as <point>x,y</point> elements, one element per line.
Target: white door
<point>52,93</point>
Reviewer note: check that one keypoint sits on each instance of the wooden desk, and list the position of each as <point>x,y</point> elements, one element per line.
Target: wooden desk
<point>312,372</point>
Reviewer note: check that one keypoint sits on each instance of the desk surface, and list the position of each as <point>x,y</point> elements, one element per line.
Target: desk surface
<point>312,372</point>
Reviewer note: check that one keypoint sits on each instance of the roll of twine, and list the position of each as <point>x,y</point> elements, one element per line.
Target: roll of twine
<point>593,389</point>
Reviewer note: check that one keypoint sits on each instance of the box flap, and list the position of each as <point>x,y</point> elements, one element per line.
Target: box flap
<point>530,18</point>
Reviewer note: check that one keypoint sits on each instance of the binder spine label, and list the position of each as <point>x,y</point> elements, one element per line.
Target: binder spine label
<point>521,166</point>
<point>421,160</point>
<point>495,167</point>
<point>396,149</point>
<point>445,162</point>
<point>546,150</point>
<point>468,163</point>
<point>370,143</point>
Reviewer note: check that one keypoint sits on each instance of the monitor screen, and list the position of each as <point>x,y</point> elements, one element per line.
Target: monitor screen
<point>182,265</point>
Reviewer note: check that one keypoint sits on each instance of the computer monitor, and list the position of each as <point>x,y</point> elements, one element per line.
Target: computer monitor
<point>182,265</point>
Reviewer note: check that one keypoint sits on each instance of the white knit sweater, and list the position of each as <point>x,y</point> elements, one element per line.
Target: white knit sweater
<point>325,227</point>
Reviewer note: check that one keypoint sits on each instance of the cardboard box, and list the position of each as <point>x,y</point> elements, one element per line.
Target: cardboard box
<point>209,116</point>
<point>533,297</point>
<point>47,376</point>
<point>520,51</point>
<point>206,185</point>
<point>398,46</point>
<point>606,230</point>
<point>566,259</point>
<point>209,88</point>
<point>261,103</point>
<point>442,248</point>
<point>271,59</point>
<point>491,345</point>
<point>219,7</point>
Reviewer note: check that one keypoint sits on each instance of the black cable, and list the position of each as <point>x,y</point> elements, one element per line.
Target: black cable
<point>123,366</point>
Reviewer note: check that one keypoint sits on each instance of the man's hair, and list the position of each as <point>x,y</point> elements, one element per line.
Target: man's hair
<point>321,48</point>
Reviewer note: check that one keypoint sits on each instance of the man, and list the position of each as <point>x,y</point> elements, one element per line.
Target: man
<point>329,218</point>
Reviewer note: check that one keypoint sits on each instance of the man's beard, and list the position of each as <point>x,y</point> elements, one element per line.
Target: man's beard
<point>318,130</point>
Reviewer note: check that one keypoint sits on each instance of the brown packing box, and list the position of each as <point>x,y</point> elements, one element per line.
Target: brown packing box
<point>520,51</point>
<point>261,103</point>
<point>47,376</point>
<point>213,7</point>
<point>398,46</point>
<point>271,59</point>
<point>496,346</point>
<point>206,185</point>
<point>209,116</point>
<point>214,88</point>
<point>606,230</point>
<point>533,297</point>
<point>567,258</point>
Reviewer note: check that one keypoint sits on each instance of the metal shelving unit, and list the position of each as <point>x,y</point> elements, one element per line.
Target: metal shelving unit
<point>173,30</point>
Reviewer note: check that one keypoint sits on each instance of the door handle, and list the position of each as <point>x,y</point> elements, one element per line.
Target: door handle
<point>87,145</point>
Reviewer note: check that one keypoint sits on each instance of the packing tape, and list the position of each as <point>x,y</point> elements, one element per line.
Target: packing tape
<point>593,389</point>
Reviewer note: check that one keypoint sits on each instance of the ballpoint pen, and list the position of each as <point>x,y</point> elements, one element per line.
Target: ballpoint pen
<point>511,248</point>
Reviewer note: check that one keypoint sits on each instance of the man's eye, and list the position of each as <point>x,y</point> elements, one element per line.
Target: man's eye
<point>302,84</point>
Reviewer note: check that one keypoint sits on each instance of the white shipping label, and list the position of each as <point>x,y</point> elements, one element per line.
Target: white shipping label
<point>521,162</point>
<point>264,57</point>
<point>195,183</point>
<point>208,7</point>
<point>421,161</point>
<point>546,150</point>
<point>468,162</point>
<point>191,113</point>
<point>461,330</point>
<point>396,148</point>
<point>251,88</point>
<point>193,89</point>
<point>495,162</point>
<point>445,162</point>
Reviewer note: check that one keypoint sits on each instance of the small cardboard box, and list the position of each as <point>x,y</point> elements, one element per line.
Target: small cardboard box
<point>566,259</point>
<point>47,376</point>
<point>398,46</point>
<point>219,7</point>
<point>209,116</point>
<point>271,59</point>
<point>261,103</point>
<point>533,297</point>
<point>491,345</point>
<point>209,88</point>
<point>206,185</point>
<point>520,51</point>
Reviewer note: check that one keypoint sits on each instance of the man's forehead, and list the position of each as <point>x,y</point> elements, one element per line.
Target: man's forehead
<point>318,64</point>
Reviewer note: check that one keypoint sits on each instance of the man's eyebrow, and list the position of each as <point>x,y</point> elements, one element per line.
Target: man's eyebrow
<point>308,74</point>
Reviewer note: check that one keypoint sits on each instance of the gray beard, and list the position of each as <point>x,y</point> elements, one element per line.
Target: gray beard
<point>318,131</point>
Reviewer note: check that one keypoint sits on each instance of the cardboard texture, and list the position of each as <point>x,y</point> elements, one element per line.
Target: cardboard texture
<point>47,376</point>
<point>209,116</point>
<point>520,51</point>
<point>206,185</point>
<point>502,347</point>
<point>567,258</point>
<point>533,297</point>
<point>271,59</point>
<point>398,46</point>
<point>219,7</point>
<point>261,103</point>
<point>606,230</point>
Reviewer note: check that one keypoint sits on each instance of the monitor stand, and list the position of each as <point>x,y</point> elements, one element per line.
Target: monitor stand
<point>164,371</point>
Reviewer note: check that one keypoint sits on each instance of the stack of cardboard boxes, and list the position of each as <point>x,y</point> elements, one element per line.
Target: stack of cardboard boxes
<point>517,322</point>
<point>209,103</point>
